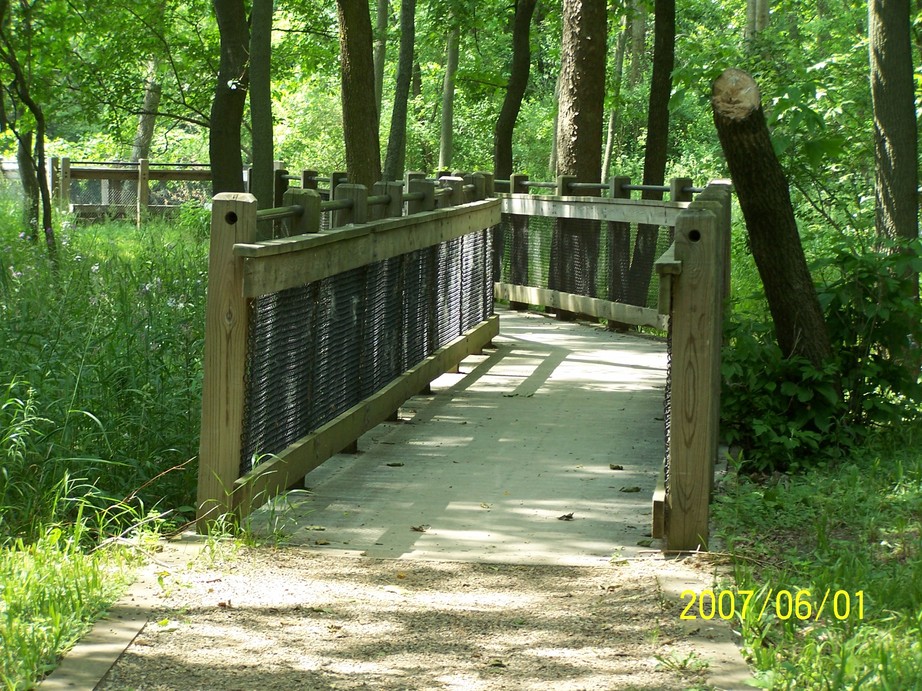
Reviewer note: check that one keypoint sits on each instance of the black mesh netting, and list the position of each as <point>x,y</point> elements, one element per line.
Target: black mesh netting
<point>317,350</point>
<point>609,260</point>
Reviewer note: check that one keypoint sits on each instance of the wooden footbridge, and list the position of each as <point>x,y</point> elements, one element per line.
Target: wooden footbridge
<point>329,312</point>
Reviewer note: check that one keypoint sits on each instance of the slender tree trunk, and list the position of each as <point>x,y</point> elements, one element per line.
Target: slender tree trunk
<point>397,139</point>
<point>263,174</point>
<point>380,50</point>
<point>230,97</point>
<point>638,41</point>
<point>28,178</point>
<point>446,138</point>
<point>616,101</point>
<point>552,159</point>
<point>765,200</point>
<point>895,128</point>
<point>515,89</point>
<point>360,115</point>
<point>147,118</point>
<point>655,153</point>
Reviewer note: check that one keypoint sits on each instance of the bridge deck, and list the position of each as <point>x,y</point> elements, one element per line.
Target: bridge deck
<point>482,469</point>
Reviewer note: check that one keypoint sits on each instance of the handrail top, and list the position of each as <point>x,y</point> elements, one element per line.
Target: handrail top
<point>297,243</point>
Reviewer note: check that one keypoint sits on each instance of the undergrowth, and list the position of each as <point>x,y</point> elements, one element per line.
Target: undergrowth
<point>852,529</point>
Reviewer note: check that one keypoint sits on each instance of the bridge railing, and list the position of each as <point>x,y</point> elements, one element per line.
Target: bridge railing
<point>315,336</point>
<point>595,256</point>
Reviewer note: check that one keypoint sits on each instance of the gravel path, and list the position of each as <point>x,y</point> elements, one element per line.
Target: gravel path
<point>292,618</point>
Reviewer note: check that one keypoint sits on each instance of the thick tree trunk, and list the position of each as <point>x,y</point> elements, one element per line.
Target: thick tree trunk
<point>360,115</point>
<point>147,118</point>
<point>582,89</point>
<point>446,137</point>
<point>654,164</point>
<point>638,41</point>
<point>575,244</point>
<point>515,89</point>
<point>230,97</point>
<point>765,200</point>
<point>895,128</point>
<point>262,180</point>
<point>380,50</point>
<point>397,139</point>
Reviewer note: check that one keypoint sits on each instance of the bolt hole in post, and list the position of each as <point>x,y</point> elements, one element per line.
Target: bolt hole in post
<point>694,235</point>
<point>230,218</point>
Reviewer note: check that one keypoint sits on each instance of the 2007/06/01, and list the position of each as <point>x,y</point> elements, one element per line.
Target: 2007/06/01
<point>799,604</point>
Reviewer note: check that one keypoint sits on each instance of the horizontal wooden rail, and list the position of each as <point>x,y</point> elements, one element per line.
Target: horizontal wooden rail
<point>594,208</point>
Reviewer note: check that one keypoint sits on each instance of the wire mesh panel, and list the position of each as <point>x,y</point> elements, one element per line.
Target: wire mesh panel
<point>280,372</point>
<point>179,192</point>
<point>317,350</point>
<point>582,257</point>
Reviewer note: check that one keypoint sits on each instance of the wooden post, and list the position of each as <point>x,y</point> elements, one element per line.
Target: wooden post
<point>563,185</point>
<point>64,195</point>
<point>677,189</point>
<point>480,186</point>
<point>619,251</point>
<point>143,196</point>
<point>416,182</point>
<point>337,178</point>
<point>695,376</point>
<point>309,179</point>
<point>456,185</point>
<point>55,178</point>
<point>279,186</point>
<point>489,185</point>
<point>358,213</point>
<point>309,221</point>
<point>233,220</point>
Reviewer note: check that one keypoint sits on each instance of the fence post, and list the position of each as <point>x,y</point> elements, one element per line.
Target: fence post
<point>143,196</point>
<point>416,182</point>
<point>697,307</point>
<point>279,185</point>
<point>233,220</point>
<point>337,178</point>
<point>64,195</point>
<point>619,251</point>
<point>358,212</point>
<point>394,207</point>
<point>55,178</point>
<point>307,222</point>
<point>563,184</point>
<point>677,189</point>
<point>309,179</point>
<point>456,185</point>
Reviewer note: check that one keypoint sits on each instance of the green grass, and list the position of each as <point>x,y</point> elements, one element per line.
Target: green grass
<point>855,527</point>
<point>51,591</point>
<point>100,386</point>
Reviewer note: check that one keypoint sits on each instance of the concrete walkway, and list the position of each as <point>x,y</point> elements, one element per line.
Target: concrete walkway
<point>560,418</point>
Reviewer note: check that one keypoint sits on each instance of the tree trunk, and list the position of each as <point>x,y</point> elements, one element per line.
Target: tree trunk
<point>360,115</point>
<point>263,175</point>
<point>657,146</point>
<point>230,97</point>
<point>147,118</point>
<point>638,41</point>
<point>765,200</point>
<point>895,138</point>
<point>575,244</point>
<point>397,139</point>
<point>28,178</point>
<point>515,89</point>
<point>446,143</point>
<point>616,101</point>
<point>552,159</point>
<point>380,50</point>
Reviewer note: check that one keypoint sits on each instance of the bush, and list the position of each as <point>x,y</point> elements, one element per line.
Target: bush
<point>786,413</point>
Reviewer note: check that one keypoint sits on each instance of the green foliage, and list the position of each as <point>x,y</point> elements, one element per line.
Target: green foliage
<point>101,368</point>
<point>855,528</point>
<point>784,412</point>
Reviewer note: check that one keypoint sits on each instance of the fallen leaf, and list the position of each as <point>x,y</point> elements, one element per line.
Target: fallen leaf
<point>419,528</point>
<point>321,542</point>
<point>498,663</point>
<point>630,489</point>
<point>615,466</point>
<point>566,517</point>
<point>645,543</point>
<point>394,465</point>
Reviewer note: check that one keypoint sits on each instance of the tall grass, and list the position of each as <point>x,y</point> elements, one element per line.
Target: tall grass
<point>100,368</point>
<point>100,378</point>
